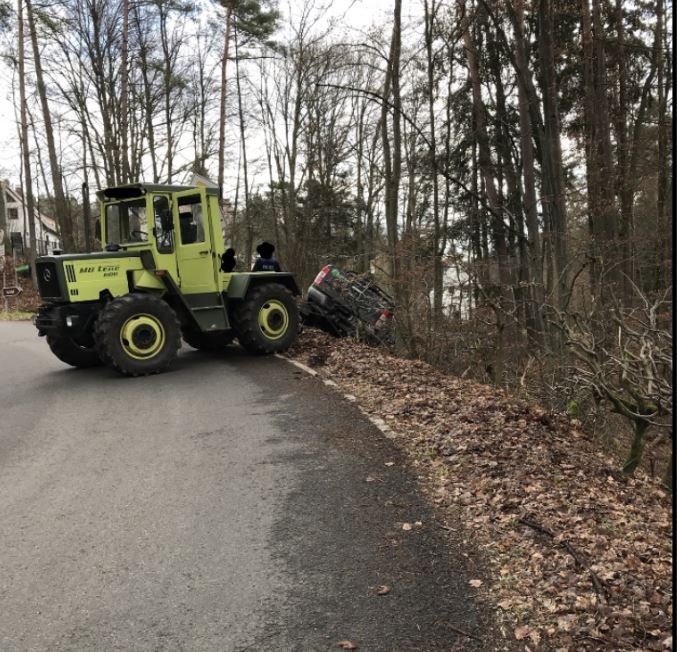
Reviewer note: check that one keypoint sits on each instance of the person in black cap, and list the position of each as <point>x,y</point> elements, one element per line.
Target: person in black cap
<point>228,261</point>
<point>266,262</point>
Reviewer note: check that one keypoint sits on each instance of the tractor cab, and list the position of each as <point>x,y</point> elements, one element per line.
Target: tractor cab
<point>180,226</point>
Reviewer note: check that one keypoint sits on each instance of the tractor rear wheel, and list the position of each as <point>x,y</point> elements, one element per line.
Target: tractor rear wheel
<point>138,334</point>
<point>72,352</point>
<point>267,321</point>
<point>208,341</point>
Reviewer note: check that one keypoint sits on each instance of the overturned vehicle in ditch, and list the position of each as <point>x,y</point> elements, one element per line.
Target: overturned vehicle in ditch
<point>347,304</point>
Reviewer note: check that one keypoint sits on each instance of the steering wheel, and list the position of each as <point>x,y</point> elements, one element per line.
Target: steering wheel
<point>139,236</point>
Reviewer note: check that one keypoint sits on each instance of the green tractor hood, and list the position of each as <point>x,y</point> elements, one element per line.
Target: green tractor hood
<point>84,277</point>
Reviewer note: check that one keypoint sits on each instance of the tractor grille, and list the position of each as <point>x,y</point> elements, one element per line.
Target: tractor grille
<point>70,273</point>
<point>48,280</point>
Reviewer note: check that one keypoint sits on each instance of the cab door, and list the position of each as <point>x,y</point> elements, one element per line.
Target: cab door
<point>193,243</point>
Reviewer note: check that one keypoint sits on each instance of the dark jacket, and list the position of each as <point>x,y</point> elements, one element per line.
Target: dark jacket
<point>266,265</point>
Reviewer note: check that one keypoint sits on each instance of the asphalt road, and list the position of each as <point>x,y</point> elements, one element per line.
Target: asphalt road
<point>223,506</point>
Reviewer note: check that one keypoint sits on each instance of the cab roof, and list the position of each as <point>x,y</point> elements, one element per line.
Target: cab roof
<point>139,189</point>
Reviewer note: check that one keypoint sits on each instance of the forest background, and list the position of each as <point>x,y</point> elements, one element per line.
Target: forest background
<point>503,167</point>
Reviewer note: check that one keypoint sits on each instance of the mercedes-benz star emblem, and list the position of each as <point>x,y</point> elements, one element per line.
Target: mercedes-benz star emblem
<point>47,275</point>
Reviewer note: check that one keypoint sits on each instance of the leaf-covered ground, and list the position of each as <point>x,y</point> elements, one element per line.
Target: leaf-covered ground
<point>28,300</point>
<point>15,316</point>
<point>577,556</point>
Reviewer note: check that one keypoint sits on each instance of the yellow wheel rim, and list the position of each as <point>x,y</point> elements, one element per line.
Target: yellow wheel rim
<point>142,336</point>
<point>273,319</point>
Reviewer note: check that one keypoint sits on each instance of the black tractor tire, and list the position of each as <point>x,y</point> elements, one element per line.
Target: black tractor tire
<point>72,352</point>
<point>137,334</point>
<point>267,321</point>
<point>208,341</point>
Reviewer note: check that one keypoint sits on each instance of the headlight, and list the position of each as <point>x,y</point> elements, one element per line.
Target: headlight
<point>69,322</point>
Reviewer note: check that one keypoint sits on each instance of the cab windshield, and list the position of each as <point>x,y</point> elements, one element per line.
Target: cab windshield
<point>126,222</point>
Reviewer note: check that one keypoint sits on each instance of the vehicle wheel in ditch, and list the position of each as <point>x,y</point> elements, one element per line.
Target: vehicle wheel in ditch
<point>208,341</point>
<point>73,352</point>
<point>138,334</point>
<point>267,321</point>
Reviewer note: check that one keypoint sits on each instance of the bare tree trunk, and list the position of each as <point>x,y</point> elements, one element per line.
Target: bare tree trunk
<point>608,205</point>
<point>500,302</point>
<point>249,243</point>
<point>392,158</point>
<point>607,255</point>
<point>484,160</point>
<point>28,178</point>
<point>626,218</point>
<point>591,169</point>
<point>476,248</point>
<point>438,271</point>
<point>552,157</point>
<point>61,207</point>
<point>4,234</point>
<point>661,184</point>
<point>447,158</point>
<point>222,104</point>
<point>265,111</point>
<point>517,241</point>
<point>528,172</point>
<point>167,89</point>
<point>86,212</point>
<point>39,170</point>
<point>362,262</point>
<point>147,102</point>
<point>124,93</point>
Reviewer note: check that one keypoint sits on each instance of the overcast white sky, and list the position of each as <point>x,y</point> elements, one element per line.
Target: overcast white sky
<point>352,15</point>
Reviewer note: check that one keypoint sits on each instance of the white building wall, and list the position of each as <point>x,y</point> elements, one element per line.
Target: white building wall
<point>17,222</point>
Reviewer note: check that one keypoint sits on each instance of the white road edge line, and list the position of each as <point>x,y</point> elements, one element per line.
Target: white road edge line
<point>376,421</point>
<point>300,365</point>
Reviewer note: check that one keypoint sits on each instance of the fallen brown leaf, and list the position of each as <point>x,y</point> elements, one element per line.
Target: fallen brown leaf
<point>347,645</point>
<point>522,632</point>
<point>383,590</point>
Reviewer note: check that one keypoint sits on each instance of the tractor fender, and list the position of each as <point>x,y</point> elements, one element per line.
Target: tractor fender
<point>240,283</point>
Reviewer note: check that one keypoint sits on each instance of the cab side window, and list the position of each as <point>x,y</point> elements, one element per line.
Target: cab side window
<point>163,213</point>
<point>191,223</point>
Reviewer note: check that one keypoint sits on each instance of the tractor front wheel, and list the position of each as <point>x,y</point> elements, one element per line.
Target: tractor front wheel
<point>267,321</point>
<point>72,352</point>
<point>138,334</point>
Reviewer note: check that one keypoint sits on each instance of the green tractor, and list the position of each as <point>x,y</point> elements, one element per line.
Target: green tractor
<point>159,279</point>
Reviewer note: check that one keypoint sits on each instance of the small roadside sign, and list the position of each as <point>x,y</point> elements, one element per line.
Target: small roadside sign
<point>11,291</point>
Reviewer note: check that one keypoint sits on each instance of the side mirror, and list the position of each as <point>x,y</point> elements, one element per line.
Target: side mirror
<point>97,229</point>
